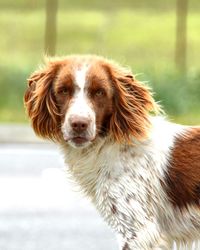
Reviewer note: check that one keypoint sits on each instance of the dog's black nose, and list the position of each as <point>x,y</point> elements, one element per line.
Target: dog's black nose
<point>79,124</point>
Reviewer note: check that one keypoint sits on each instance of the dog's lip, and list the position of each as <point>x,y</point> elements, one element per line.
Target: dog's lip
<point>79,140</point>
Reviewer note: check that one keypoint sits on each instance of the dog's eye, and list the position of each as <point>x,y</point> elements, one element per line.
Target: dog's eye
<point>99,92</point>
<point>63,91</point>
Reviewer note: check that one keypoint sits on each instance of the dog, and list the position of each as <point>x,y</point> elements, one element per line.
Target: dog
<point>140,171</point>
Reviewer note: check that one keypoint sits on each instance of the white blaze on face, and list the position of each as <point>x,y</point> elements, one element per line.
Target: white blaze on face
<point>80,76</point>
<point>80,105</point>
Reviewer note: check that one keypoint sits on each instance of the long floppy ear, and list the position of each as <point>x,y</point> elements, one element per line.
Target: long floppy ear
<point>40,102</point>
<point>132,103</point>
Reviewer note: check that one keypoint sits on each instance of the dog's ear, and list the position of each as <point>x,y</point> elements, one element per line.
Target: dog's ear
<point>132,102</point>
<point>40,102</point>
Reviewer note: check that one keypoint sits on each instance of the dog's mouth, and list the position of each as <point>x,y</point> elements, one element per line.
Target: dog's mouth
<point>79,140</point>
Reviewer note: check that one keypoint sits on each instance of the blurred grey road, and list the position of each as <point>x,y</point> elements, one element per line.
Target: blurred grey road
<point>40,209</point>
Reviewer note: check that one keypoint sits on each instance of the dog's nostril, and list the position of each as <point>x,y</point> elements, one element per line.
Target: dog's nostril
<point>74,125</point>
<point>80,125</point>
<point>83,125</point>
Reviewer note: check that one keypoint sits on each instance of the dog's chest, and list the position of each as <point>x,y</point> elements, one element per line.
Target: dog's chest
<point>121,186</point>
<point>122,190</point>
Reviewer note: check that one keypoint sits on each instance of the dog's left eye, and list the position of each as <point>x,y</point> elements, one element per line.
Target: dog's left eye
<point>99,92</point>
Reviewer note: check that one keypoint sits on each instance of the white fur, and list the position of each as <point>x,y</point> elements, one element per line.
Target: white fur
<point>80,76</point>
<point>123,182</point>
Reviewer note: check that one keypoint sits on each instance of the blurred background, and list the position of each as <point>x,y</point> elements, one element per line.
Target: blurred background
<point>159,40</point>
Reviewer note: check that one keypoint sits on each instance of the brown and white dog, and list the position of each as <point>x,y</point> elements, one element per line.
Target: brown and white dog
<point>141,172</point>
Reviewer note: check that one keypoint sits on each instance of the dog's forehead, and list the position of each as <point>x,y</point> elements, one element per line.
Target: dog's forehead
<point>83,70</point>
<point>80,74</point>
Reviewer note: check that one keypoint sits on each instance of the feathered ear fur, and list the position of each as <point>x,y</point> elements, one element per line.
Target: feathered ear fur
<point>40,102</point>
<point>132,103</point>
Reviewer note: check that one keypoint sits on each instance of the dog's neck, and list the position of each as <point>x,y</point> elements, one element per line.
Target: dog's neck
<point>105,158</point>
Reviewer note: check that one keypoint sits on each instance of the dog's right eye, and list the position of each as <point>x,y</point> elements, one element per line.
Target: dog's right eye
<point>63,91</point>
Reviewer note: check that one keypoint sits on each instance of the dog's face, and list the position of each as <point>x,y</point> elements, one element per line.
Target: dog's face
<point>81,98</point>
<point>84,94</point>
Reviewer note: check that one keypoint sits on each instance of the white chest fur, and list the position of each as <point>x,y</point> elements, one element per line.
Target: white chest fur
<point>127,190</point>
<point>125,182</point>
<point>122,180</point>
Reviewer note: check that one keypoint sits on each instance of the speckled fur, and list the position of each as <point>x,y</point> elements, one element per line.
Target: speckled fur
<point>125,184</point>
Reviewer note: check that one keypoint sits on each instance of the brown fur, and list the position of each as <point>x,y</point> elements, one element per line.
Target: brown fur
<point>123,107</point>
<point>41,104</point>
<point>183,179</point>
<point>132,102</point>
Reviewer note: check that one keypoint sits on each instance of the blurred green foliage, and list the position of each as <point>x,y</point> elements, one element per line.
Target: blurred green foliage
<point>96,4</point>
<point>134,33</point>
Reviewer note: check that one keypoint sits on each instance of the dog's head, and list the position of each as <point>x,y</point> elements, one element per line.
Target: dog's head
<point>81,98</point>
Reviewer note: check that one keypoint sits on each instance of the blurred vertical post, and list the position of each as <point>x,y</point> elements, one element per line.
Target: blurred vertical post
<point>51,27</point>
<point>181,35</point>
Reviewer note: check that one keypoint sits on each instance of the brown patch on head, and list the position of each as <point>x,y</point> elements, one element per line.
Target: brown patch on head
<point>100,93</point>
<point>63,88</point>
<point>40,101</point>
<point>183,177</point>
<point>132,102</point>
